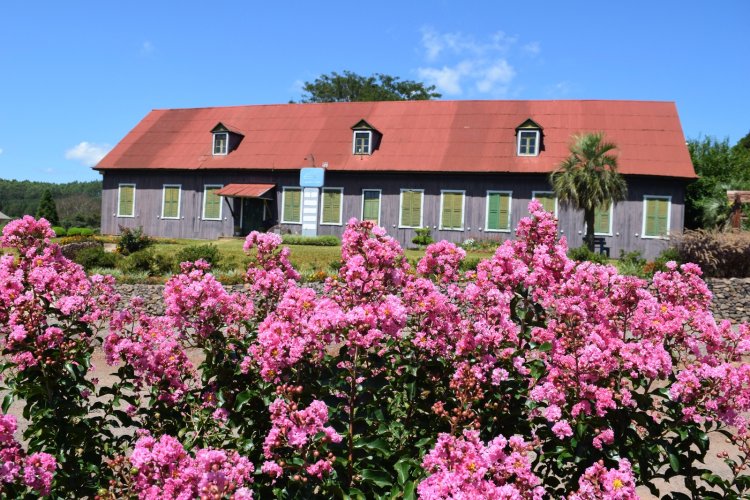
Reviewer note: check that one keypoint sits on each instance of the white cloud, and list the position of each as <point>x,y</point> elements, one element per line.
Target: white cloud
<point>87,153</point>
<point>560,89</point>
<point>470,64</point>
<point>496,77</point>
<point>1,151</point>
<point>532,48</point>
<point>147,47</point>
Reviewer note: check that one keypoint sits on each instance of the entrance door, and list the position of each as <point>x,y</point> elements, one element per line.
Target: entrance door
<point>252,215</point>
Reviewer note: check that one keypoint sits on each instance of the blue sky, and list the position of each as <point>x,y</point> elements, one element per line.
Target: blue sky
<point>76,76</point>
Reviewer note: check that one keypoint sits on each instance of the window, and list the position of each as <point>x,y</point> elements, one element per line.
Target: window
<point>291,205</point>
<point>547,199</point>
<point>332,206</point>
<point>221,140</point>
<point>656,216</point>
<point>498,210</point>
<point>528,142</point>
<point>452,210</point>
<point>362,142</point>
<point>170,207</point>
<point>126,200</point>
<point>603,220</point>
<point>371,205</point>
<point>411,208</point>
<point>211,202</point>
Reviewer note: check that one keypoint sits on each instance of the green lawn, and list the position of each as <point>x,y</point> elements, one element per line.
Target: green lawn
<point>305,258</point>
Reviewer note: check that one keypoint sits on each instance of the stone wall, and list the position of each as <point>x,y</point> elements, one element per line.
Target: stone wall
<point>731,297</point>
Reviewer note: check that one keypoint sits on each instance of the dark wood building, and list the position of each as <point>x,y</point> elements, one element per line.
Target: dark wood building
<point>465,169</point>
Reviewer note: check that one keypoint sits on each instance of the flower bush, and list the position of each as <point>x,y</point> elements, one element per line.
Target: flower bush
<point>529,376</point>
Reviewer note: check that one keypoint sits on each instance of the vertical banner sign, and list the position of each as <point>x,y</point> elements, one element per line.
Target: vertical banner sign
<point>311,180</point>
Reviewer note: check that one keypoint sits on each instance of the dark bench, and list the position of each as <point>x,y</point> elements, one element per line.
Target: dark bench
<point>602,249</point>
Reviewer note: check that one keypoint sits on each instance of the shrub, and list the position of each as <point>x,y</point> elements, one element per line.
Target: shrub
<point>132,240</point>
<point>80,231</point>
<point>96,257</point>
<point>59,231</point>
<point>631,263</point>
<point>423,237</point>
<point>320,241</point>
<point>469,264</point>
<point>583,254</point>
<point>208,252</point>
<point>719,254</point>
<point>148,261</point>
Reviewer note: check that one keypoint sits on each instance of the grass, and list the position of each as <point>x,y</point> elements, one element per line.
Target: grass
<point>305,258</point>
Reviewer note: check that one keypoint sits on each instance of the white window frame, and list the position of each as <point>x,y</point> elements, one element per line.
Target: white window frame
<point>226,144</point>
<point>369,142</point>
<point>179,200</point>
<point>463,209</point>
<point>611,219</point>
<point>669,216</point>
<point>380,203</point>
<point>534,193</point>
<point>401,209</point>
<point>284,189</point>
<point>119,188</point>
<point>221,201</point>
<point>487,211</point>
<point>536,142</point>
<point>341,206</point>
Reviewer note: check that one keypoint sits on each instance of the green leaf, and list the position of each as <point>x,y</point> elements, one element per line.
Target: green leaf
<point>674,462</point>
<point>402,469</point>
<point>378,477</point>
<point>7,401</point>
<point>545,347</point>
<point>376,444</point>
<point>242,398</point>
<point>409,491</point>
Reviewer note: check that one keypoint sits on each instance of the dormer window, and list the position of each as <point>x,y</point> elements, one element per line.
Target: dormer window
<point>529,138</point>
<point>226,139</point>
<point>365,138</point>
<point>221,141</point>
<point>362,142</point>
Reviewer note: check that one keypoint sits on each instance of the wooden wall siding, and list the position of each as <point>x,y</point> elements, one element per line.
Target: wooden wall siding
<point>627,215</point>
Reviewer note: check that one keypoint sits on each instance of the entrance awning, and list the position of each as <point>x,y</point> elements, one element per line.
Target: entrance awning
<point>245,190</point>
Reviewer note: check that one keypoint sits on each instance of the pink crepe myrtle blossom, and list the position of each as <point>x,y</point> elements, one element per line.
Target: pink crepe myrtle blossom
<point>153,346</point>
<point>601,483</point>
<point>163,469</point>
<point>35,471</point>
<point>442,260</point>
<point>466,467</point>
<point>199,304</point>
<point>293,434</point>
<point>270,273</point>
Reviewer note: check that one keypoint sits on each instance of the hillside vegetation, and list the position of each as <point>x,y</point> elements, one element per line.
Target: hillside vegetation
<point>78,203</point>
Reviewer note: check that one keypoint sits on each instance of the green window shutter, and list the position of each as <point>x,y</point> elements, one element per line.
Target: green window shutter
<point>498,212</point>
<point>452,216</point>
<point>171,208</point>
<point>371,205</point>
<point>292,205</point>
<point>211,203</point>
<point>331,207</point>
<point>127,195</point>
<point>657,217</point>
<point>601,220</point>
<point>411,208</point>
<point>547,200</point>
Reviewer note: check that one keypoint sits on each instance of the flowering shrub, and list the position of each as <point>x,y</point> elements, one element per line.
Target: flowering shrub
<point>531,376</point>
<point>18,471</point>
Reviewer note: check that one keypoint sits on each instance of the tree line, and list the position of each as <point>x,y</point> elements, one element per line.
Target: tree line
<point>78,204</point>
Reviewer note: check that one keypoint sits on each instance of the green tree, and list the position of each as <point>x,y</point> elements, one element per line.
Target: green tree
<point>720,167</point>
<point>744,142</point>
<point>47,208</point>
<point>588,179</point>
<point>351,87</point>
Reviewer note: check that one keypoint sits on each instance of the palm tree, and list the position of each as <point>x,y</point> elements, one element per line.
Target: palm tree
<point>588,178</point>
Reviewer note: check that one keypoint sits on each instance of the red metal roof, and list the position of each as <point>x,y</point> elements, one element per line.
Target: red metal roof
<point>417,136</point>
<point>245,190</point>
